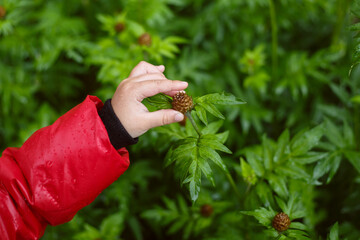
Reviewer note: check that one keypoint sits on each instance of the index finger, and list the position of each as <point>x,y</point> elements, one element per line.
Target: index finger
<point>152,87</point>
<point>145,67</point>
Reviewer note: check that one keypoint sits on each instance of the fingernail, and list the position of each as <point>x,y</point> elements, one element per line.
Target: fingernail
<point>179,117</point>
<point>183,84</point>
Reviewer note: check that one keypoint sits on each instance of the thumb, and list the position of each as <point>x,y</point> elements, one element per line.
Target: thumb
<point>163,117</point>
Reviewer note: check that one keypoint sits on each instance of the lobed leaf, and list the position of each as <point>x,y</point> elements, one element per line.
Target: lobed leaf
<point>194,179</point>
<point>210,154</point>
<point>206,169</point>
<point>212,141</point>
<point>263,215</point>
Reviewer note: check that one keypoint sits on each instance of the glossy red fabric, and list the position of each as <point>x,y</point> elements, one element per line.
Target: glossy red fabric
<point>58,170</point>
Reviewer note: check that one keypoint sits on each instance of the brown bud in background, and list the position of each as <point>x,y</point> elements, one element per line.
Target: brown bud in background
<point>206,210</point>
<point>119,27</point>
<point>281,222</point>
<point>2,12</point>
<point>145,39</point>
<point>182,102</point>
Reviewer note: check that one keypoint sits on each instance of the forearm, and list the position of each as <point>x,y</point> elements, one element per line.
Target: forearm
<point>58,170</point>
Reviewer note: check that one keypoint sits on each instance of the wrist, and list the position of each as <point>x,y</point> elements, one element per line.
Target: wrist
<point>118,135</point>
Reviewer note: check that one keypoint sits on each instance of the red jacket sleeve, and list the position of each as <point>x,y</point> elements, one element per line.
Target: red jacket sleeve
<point>58,170</point>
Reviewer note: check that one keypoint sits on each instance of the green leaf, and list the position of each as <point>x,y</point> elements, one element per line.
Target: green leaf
<point>297,234</point>
<point>355,27</point>
<point>212,109</point>
<point>159,101</point>
<point>89,233</point>
<point>194,179</point>
<point>334,167</point>
<point>348,135</point>
<point>135,226</point>
<point>333,134</point>
<point>211,154</point>
<point>267,153</point>
<point>325,166</point>
<point>298,225</point>
<point>356,99</point>
<point>220,98</point>
<point>299,213</point>
<point>247,172</point>
<point>334,232</point>
<point>172,130</point>
<point>177,225</point>
<point>222,137</point>
<point>113,225</point>
<point>212,141</point>
<point>263,215</point>
<point>278,184</point>
<point>309,157</point>
<point>182,149</point>
<point>305,141</point>
<point>265,193</point>
<point>255,163</point>
<point>182,168</point>
<point>293,170</point>
<point>212,128</point>
<point>206,169</point>
<point>282,205</point>
<point>283,141</point>
<point>354,158</point>
<point>201,113</point>
<point>292,205</point>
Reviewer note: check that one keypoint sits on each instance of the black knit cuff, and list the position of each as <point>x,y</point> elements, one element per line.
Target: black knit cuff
<point>118,135</point>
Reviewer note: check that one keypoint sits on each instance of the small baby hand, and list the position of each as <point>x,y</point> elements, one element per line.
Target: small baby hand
<point>145,80</point>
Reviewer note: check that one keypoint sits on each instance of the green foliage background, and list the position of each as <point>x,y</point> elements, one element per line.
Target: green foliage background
<point>295,144</point>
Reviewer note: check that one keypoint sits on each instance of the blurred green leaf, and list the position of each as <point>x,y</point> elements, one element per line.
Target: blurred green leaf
<point>334,232</point>
<point>247,172</point>
<point>303,142</point>
<point>354,158</point>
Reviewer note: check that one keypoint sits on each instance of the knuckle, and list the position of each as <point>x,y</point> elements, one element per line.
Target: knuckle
<point>165,119</point>
<point>142,63</point>
<point>157,83</point>
<point>125,86</point>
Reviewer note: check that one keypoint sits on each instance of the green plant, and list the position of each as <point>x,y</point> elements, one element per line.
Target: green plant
<point>293,148</point>
<point>193,151</point>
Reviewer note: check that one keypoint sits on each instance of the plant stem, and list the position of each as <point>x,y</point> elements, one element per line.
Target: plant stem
<point>188,114</point>
<point>274,38</point>
<point>233,185</point>
<point>342,9</point>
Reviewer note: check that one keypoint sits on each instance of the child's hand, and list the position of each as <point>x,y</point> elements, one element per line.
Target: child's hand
<point>145,80</point>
